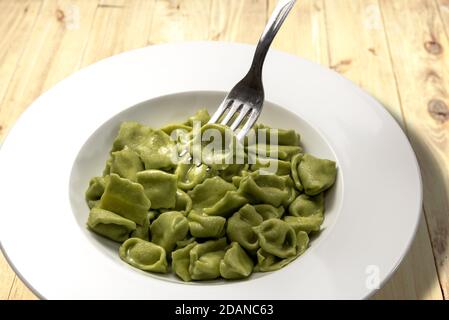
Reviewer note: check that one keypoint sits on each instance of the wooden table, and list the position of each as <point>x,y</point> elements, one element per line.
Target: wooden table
<point>398,50</point>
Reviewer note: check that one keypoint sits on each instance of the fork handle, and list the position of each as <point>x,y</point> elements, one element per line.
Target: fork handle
<point>278,16</point>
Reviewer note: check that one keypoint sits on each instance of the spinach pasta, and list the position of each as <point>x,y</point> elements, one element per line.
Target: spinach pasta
<point>226,215</point>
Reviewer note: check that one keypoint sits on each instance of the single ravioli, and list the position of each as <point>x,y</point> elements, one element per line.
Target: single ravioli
<point>95,189</point>
<point>226,206</point>
<point>126,163</point>
<point>181,261</point>
<point>205,259</point>
<point>158,151</point>
<point>208,193</point>
<point>110,225</point>
<point>240,227</point>
<point>305,205</point>
<point>317,175</point>
<point>236,264</point>
<point>268,262</point>
<point>125,198</point>
<point>260,188</point>
<point>277,238</point>
<point>204,226</point>
<point>168,228</point>
<point>131,134</point>
<point>160,187</point>
<point>144,255</point>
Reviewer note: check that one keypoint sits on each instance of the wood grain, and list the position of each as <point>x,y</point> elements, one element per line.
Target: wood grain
<point>176,20</point>
<point>230,20</point>
<point>17,19</point>
<point>19,291</point>
<point>41,42</point>
<point>423,85</point>
<point>119,25</point>
<point>16,24</point>
<point>443,10</point>
<point>48,55</point>
<point>304,31</point>
<point>359,51</point>
<point>6,278</point>
<point>51,53</point>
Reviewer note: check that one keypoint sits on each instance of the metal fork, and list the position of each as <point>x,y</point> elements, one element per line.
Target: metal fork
<point>247,96</point>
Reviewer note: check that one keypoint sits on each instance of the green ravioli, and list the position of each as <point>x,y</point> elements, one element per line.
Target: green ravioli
<point>216,214</point>
<point>144,255</point>
<point>168,228</point>
<point>205,259</point>
<point>125,198</point>
<point>126,163</point>
<point>160,187</point>
<point>204,226</point>
<point>317,175</point>
<point>236,264</point>
<point>110,225</point>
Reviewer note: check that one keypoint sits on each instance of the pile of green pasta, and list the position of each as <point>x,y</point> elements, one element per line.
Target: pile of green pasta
<point>201,221</point>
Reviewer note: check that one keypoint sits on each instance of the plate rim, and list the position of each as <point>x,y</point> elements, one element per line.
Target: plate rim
<point>359,90</point>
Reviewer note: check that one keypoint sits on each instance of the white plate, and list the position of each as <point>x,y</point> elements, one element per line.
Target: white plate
<point>63,139</point>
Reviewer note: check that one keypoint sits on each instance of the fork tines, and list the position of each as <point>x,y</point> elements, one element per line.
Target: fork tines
<point>226,115</point>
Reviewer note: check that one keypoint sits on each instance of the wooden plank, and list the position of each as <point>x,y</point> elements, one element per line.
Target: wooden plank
<point>17,19</point>
<point>443,10</point>
<point>177,20</point>
<point>238,21</point>
<point>119,25</point>
<point>305,34</point>
<point>304,31</point>
<point>359,51</point>
<point>52,52</point>
<point>7,276</point>
<point>16,22</point>
<point>75,19</point>
<point>61,35</point>
<point>420,61</point>
<point>19,291</point>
